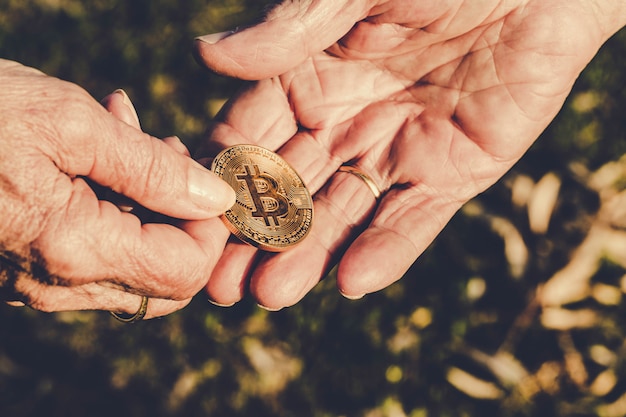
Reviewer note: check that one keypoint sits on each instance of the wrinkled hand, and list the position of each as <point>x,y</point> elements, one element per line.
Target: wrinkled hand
<point>63,249</point>
<point>435,100</point>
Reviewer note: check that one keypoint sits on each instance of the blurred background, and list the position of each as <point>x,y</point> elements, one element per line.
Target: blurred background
<point>517,309</point>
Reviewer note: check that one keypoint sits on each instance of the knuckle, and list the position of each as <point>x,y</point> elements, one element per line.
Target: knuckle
<point>160,174</point>
<point>176,278</point>
<point>56,257</point>
<point>71,104</point>
<point>188,284</point>
<point>145,169</point>
<point>23,206</point>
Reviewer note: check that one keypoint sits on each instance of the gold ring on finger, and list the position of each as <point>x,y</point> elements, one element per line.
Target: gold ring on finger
<point>364,177</point>
<point>131,318</point>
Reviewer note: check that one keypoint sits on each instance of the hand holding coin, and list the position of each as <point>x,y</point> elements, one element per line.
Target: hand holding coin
<point>62,246</point>
<point>427,102</point>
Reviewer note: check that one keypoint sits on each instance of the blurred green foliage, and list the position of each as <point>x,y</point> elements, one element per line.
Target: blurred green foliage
<point>141,46</point>
<point>470,331</point>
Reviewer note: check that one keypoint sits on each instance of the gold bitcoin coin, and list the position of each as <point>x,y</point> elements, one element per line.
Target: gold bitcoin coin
<point>274,210</point>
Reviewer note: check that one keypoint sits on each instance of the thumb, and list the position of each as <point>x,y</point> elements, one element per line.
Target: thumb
<point>145,169</point>
<point>155,175</point>
<point>292,32</point>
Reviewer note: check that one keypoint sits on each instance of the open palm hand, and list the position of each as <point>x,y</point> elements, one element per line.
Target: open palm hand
<point>434,100</point>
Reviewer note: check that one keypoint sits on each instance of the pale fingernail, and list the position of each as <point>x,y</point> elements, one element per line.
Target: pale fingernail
<point>16,303</point>
<point>214,38</point>
<point>215,303</point>
<point>208,191</point>
<point>352,297</point>
<point>273,310</point>
<point>128,103</point>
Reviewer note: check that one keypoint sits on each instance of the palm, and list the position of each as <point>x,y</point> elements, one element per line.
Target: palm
<point>433,118</point>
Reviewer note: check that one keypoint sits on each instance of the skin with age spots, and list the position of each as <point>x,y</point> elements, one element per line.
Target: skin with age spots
<point>434,100</point>
<point>63,248</point>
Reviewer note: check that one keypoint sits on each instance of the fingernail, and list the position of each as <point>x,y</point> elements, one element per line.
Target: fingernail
<point>273,310</point>
<point>208,191</point>
<point>214,38</point>
<point>16,303</point>
<point>128,103</point>
<point>352,297</point>
<point>215,303</point>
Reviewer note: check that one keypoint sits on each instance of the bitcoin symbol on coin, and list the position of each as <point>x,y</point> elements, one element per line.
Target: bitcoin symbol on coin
<point>268,202</point>
<point>274,210</point>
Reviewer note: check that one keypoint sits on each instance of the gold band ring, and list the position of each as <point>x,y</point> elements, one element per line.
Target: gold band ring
<point>363,176</point>
<point>139,315</point>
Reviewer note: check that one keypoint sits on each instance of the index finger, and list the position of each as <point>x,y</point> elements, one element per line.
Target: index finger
<point>91,240</point>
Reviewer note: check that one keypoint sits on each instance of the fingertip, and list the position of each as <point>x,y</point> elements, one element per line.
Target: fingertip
<point>283,279</point>
<point>223,305</point>
<point>211,52</point>
<point>228,282</point>
<point>222,60</point>
<point>223,297</point>
<point>213,38</point>
<point>175,143</point>
<point>209,192</point>
<point>373,262</point>
<point>274,293</point>
<point>270,309</point>
<point>352,297</point>
<point>236,53</point>
<point>129,105</point>
<point>120,105</point>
